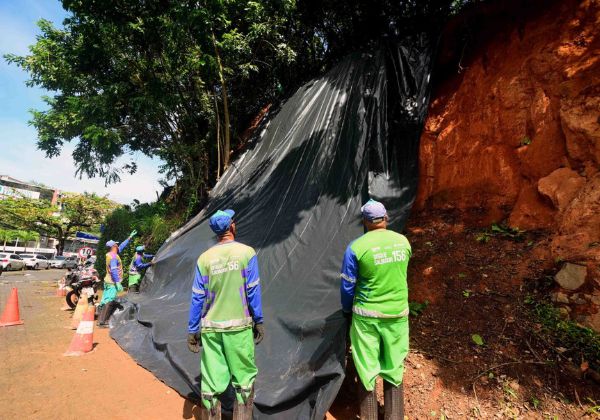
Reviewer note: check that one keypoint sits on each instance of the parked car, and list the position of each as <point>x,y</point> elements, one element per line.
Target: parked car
<point>61,261</point>
<point>11,262</point>
<point>35,261</point>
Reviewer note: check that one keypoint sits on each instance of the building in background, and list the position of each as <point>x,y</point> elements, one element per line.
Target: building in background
<point>11,187</point>
<point>14,188</point>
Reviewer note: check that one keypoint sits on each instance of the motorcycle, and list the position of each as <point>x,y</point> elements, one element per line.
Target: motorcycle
<point>81,281</point>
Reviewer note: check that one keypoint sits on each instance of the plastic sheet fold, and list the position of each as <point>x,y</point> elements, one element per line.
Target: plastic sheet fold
<point>297,191</point>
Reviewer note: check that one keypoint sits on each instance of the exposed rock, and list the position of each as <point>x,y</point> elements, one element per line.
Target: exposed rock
<point>561,186</point>
<point>579,119</point>
<point>525,105</point>
<point>579,227</point>
<point>564,312</point>
<point>571,276</point>
<point>530,211</point>
<point>592,321</point>
<point>560,297</point>
<point>515,135</point>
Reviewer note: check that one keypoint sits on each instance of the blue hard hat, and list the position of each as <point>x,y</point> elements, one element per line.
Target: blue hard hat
<point>140,248</point>
<point>111,243</point>
<point>221,221</point>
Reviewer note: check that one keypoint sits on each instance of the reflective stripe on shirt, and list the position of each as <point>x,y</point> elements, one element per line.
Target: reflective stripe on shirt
<point>254,283</point>
<point>376,314</point>
<point>348,278</point>
<point>232,323</point>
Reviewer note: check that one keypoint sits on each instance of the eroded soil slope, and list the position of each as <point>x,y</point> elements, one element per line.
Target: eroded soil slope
<point>513,135</point>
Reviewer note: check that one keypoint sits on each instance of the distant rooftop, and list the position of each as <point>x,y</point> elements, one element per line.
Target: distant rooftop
<point>12,180</point>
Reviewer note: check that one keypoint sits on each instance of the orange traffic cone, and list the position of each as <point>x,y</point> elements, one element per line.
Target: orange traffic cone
<point>82,305</point>
<point>10,316</point>
<point>62,290</point>
<point>83,341</point>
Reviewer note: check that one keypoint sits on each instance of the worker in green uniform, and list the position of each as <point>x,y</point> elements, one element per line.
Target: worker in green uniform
<point>226,319</point>
<point>112,279</point>
<point>374,295</point>
<point>136,267</point>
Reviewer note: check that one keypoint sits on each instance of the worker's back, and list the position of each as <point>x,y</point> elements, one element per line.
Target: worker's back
<point>381,288</point>
<point>224,266</point>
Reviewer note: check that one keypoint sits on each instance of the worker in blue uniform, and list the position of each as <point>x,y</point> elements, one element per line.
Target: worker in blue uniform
<point>136,267</point>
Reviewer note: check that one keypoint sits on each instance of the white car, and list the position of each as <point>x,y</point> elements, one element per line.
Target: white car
<point>63,262</point>
<point>35,261</point>
<point>11,262</point>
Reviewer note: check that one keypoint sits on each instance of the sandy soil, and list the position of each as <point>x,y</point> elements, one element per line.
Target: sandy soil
<point>37,381</point>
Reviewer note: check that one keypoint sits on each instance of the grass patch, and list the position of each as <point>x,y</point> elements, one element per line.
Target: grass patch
<point>417,308</point>
<point>581,343</point>
<point>501,231</point>
<point>525,141</point>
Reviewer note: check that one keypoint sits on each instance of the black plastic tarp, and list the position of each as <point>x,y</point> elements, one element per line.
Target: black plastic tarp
<point>297,191</point>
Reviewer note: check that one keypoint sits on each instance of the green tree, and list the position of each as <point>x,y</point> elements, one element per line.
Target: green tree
<point>74,212</point>
<point>180,80</point>
<point>156,78</point>
<point>14,236</point>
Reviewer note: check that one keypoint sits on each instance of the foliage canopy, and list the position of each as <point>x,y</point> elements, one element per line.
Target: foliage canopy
<point>180,80</point>
<point>74,212</point>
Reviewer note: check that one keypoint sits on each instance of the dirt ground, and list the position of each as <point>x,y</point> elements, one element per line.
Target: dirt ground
<point>471,288</point>
<point>38,382</point>
<point>479,288</point>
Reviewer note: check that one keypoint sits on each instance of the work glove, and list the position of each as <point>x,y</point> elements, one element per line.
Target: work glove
<point>133,233</point>
<point>259,332</point>
<point>194,342</point>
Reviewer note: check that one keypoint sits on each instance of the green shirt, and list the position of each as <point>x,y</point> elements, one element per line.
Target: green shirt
<point>226,282</point>
<point>374,275</point>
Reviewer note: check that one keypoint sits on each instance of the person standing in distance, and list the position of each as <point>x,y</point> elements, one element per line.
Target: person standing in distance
<point>374,296</point>
<point>112,279</point>
<point>226,319</point>
<point>136,267</point>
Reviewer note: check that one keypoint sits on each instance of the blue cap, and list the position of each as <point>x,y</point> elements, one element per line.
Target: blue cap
<point>373,210</point>
<point>221,220</point>
<point>140,248</point>
<point>111,243</point>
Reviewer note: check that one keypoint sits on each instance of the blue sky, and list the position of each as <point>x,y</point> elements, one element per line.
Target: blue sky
<point>19,156</point>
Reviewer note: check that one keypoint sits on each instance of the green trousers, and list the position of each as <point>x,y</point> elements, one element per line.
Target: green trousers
<point>227,357</point>
<point>134,279</point>
<point>379,347</point>
<point>110,292</point>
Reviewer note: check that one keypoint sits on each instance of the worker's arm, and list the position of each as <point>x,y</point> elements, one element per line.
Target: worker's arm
<point>253,290</point>
<point>114,269</point>
<point>126,241</point>
<point>349,275</point>
<point>139,264</point>
<point>148,256</point>
<point>198,296</point>
<point>124,244</point>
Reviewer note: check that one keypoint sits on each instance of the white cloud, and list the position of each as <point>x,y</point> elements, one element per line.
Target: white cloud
<point>20,159</point>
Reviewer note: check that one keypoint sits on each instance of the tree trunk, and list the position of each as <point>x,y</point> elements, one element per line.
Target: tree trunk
<point>218,137</point>
<point>227,145</point>
<point>61,242</point>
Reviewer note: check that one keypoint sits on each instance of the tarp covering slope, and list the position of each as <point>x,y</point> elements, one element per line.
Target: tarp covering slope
<point>297,190</point>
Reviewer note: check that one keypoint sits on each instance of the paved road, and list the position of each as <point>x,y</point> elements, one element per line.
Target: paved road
<point>27,276</point>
